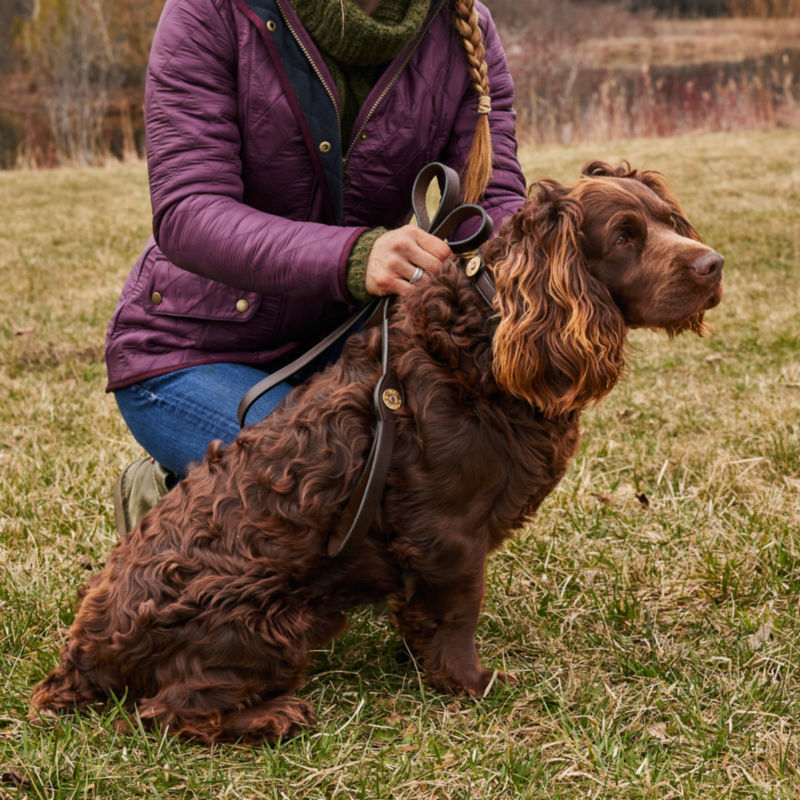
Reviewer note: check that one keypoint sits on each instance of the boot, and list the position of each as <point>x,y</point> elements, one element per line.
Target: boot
<point>139,487</point>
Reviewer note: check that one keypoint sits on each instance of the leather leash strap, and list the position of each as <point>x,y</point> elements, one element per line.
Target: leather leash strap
<point>359,513</point>
<point>272,380</point>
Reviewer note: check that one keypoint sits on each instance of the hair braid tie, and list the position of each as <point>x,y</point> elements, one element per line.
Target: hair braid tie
<point>477,170</point>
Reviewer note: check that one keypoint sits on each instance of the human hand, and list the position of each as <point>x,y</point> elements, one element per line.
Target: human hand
<point>396,255</point>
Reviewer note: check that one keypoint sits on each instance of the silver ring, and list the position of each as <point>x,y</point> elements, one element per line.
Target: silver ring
<point>418,273</point>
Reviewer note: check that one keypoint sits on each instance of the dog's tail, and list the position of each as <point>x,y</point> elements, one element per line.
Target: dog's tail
<point>66,687</point>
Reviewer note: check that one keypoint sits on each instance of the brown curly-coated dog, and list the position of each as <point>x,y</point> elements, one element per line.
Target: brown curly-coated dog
<point>205,614</point>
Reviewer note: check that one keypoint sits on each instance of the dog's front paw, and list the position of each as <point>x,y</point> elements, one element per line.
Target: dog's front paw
<point>478,684</point>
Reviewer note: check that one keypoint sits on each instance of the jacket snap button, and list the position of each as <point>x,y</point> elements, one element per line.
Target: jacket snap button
<point>156,297</point>
<point>271,25</point>
<point>324,147</point>
<point>242,305</point>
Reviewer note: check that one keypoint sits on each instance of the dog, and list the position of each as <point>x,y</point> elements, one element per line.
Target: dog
<point>205,615</point>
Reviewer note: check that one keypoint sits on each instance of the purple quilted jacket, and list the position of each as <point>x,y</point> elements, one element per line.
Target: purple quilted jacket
<point>256,201</point>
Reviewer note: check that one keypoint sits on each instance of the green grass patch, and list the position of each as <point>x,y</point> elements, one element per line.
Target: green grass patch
<point>650,613</point>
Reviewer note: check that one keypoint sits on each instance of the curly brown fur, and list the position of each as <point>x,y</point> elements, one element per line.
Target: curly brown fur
<point>205,614</point>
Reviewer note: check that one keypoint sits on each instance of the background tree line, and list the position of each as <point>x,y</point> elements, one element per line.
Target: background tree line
<point>73,70</point>
<point>73,74</point>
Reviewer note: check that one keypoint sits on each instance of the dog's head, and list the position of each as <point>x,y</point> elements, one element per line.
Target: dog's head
<point>577,266</point>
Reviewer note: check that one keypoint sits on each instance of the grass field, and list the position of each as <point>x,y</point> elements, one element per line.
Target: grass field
<point>651,613</point>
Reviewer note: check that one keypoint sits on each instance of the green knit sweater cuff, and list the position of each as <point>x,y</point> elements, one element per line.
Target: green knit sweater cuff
<point>357,264</point>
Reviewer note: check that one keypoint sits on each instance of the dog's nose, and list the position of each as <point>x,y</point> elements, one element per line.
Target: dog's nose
<point>709,264</point>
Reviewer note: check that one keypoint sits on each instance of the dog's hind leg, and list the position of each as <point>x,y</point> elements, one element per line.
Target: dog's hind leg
<point>325,627</point>
<point>211,717</point>
<point>275,719</point>
<point>232,687</point>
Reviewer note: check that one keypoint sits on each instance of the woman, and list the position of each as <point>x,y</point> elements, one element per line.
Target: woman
<point>283,140</point>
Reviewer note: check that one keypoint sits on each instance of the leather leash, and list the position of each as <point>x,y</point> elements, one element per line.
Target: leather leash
<point>359,513</point>
<point>272,380</point>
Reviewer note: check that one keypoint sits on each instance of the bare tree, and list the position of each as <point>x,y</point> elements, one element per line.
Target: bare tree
<point>69,54</point>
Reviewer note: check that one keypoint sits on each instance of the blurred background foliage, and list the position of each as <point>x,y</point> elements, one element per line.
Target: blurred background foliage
<point>585,70</point>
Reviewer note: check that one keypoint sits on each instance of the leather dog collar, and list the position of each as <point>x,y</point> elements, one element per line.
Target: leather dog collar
<point>482,279</point>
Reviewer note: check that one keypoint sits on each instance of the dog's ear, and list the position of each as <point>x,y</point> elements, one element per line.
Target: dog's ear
<point>560,340</point>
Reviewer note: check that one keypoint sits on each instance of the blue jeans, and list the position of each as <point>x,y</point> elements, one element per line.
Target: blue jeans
<point>175,416</point>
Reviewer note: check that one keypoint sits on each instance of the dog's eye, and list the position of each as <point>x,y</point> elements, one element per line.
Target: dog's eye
<point>622,239</point>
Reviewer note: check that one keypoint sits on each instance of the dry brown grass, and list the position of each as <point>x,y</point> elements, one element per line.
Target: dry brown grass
<point>651,612</point>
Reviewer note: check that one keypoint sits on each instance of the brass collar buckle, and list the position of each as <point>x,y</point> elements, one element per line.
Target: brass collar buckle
<point>476,270</point>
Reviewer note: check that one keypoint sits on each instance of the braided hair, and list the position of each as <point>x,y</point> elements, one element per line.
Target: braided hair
<point>478,167</point>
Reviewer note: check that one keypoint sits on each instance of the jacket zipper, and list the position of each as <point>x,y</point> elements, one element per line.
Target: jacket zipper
<point>392,81</point>
<point>311,61</point>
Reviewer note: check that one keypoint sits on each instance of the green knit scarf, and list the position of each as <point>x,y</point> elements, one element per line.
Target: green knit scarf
<point>344,32</point>
<point>358,46</point>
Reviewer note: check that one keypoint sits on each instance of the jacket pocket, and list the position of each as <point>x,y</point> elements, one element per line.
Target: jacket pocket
<point>174,292</point>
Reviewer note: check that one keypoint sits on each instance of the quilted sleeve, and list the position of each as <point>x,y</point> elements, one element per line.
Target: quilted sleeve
<point>193,144</point>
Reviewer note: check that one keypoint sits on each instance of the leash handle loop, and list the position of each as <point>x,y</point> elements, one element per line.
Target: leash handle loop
<point>449,214</point>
